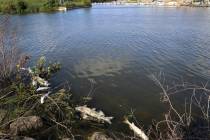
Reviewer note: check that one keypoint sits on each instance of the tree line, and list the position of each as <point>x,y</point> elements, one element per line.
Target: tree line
<point>32,6</point>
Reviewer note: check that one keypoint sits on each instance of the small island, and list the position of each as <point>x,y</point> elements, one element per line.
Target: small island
<point>35,6</point>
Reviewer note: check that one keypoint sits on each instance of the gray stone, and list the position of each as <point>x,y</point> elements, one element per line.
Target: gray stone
<point>2,114</point>
<point>66,139</point>
<point>28,138</point>
<point>25,124</point>
<point>99,136</point>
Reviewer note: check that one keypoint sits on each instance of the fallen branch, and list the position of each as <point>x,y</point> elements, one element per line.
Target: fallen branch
<point>4,96</point>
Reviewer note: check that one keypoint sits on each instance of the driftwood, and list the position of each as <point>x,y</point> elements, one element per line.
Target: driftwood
<point>137,131</point>
<point>93,115</point>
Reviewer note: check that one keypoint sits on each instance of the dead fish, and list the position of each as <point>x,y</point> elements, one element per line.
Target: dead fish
<point>23,69</point>
<point>41,81</point>
<point>27,69</point>
<point>30,71</point>
<point>91,114</point>
<point>34,83</point>
<point>43,97</point>
<point>42,89</point>
<point>136,130</point>
<point>87,98</point>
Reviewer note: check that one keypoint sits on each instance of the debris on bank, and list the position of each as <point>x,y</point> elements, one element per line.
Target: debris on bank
<point>44,84</point>
<point>41,81</point>
<point>32,113</point>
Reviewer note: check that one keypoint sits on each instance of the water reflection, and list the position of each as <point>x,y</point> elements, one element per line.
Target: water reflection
<point>102,66</point>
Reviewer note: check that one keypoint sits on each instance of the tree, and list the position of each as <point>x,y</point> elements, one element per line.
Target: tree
<point>21,6</point>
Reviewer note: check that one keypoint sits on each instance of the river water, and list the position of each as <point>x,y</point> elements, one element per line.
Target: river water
<point>111,51</point>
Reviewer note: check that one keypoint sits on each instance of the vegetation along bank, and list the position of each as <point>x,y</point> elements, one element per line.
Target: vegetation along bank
<point>34,6</point>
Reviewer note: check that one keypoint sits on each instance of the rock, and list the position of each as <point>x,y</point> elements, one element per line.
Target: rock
<point>66,139</point>
<point>99,136</point>
<point>18,138</point>
<point>2,114</point>
<point>28,138</point>
<point>25,125</point>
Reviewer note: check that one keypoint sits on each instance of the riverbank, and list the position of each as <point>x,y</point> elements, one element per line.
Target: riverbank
<point>33,6</point>
<point>31,109</point>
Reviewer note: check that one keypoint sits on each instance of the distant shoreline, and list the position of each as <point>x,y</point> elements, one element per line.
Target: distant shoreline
<point>152,4</point>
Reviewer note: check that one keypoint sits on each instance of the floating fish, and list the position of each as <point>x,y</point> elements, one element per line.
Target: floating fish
<point>42,89</point>
<point>91,114</point>
<point>43,97</point>
<point>41,81</point>
<point>136,130</point>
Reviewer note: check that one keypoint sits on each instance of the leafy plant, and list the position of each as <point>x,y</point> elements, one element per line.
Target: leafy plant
<point>43,70</point>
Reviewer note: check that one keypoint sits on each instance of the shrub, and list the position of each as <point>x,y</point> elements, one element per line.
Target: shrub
<point>21,6</point>
<point>8,7</point>
<point>10,56</point>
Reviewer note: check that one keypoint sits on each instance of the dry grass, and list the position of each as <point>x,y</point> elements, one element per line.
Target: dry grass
<point>190,122</point>
<point>10,55</point>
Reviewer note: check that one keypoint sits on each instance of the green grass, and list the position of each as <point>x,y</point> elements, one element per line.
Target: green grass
<point>33,6</point>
